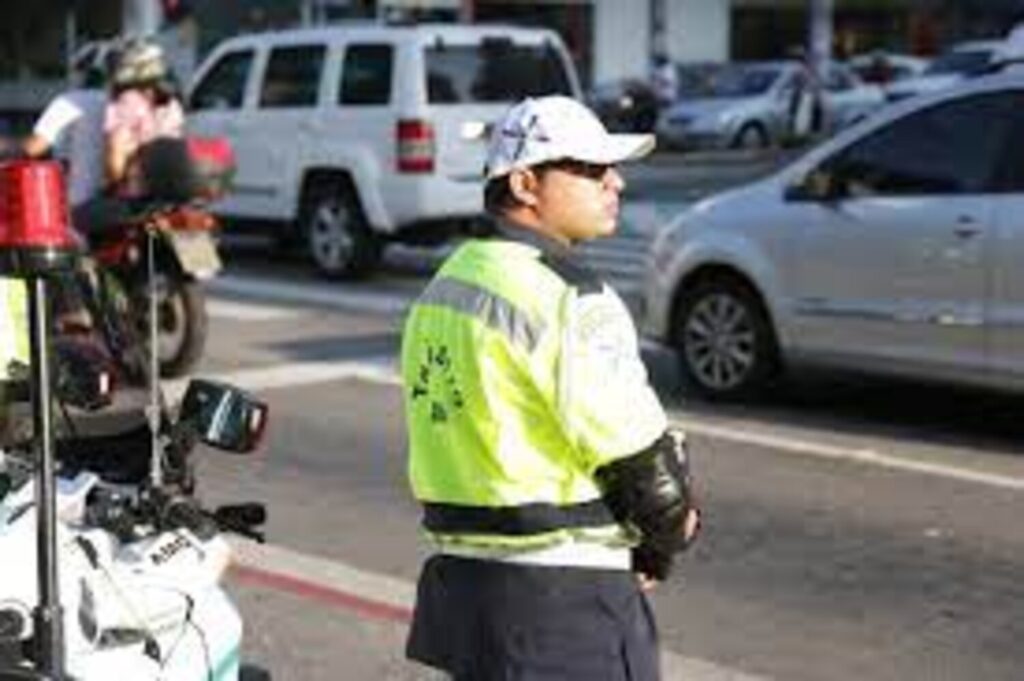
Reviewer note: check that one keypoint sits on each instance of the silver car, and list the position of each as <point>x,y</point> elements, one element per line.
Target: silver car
<point>960,61</point>
<point>894,247</point>
<point>748,105</point>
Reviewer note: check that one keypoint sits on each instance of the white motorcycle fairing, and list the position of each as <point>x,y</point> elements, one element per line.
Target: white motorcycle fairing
<point>145,610</point>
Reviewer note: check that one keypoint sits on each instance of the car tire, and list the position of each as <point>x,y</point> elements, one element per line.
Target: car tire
<point>724,339</point>
<point>751,136</point>
<point>338,239</point>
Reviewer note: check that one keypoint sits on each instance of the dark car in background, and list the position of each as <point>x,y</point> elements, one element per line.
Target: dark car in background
<point>625,105</point>
<point>631,104</point>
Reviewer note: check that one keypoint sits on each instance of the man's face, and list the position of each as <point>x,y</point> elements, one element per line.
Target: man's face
<point>578,201</point>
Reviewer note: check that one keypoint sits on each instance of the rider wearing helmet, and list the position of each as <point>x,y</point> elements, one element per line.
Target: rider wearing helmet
<point>144,106</point>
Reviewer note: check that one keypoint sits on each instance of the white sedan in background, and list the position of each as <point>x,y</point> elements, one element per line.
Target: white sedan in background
<point>748,105</point>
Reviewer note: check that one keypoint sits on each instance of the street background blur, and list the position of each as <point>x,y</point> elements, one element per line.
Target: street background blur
<point>857,527</point>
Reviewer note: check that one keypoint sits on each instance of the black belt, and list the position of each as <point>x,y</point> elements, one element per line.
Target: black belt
<point>514,520</point>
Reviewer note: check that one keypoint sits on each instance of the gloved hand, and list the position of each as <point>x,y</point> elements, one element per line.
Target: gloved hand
<point>654,559</point>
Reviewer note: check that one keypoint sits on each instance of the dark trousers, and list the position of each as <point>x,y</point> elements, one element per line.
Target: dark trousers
<point>489,621</point>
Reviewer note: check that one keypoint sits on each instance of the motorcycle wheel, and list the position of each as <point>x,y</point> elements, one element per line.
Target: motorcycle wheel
<point>182,326</point>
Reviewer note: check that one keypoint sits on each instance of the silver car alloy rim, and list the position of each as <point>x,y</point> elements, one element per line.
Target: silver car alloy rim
<point>719,341</point>
<point>329,235</point>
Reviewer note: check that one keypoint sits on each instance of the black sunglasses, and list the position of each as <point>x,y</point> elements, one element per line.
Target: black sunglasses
<point>591,171</point>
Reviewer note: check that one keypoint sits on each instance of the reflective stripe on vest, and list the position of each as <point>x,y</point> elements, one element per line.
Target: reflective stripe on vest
<point>492,460</point>
<point>525,519</point>
<point>497,313</point>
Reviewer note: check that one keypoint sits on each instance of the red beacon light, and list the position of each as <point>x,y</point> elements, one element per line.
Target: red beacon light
<point>34,235</point>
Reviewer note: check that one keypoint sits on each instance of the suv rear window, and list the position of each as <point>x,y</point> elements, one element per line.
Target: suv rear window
<point>293,76</point>
<point>366,74</point>
<point>493,71</point>
<point>224,85</point>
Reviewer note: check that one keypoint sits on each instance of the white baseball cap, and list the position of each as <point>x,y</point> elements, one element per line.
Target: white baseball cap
<point>543,129</point>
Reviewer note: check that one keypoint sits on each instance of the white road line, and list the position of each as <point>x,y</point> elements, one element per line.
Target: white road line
<point>296,374</point>
<point>335,296</point>
<point>321,573</point>
<point>384,371</point>
<point>862,455</point>
<point>249,312</point>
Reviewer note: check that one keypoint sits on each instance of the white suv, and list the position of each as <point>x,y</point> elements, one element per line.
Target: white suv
<point>352,135</point>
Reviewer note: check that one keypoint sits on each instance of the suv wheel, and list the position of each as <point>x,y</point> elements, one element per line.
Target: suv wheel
<point>337,236</point>
<point>726,343</point>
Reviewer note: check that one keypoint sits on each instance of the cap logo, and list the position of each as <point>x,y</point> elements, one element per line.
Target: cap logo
<point>530,132</point>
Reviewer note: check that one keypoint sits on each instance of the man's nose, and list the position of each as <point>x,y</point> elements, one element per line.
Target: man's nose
<point>614,180</point>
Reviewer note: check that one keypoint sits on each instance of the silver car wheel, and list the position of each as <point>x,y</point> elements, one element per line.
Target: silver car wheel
<point>330,238</point>
<point>751,136</point>
<point>719,341</point>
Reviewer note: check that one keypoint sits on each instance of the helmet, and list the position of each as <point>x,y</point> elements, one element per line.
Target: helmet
<point>139,62</point>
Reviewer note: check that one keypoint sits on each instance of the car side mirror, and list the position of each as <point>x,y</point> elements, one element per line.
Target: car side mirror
<point>817,185</point>
<point>223,416</point>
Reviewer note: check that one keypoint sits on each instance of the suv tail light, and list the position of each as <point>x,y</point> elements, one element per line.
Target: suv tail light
<point>415,146</point>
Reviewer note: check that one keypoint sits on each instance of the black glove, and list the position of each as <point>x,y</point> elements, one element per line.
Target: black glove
<point>652,562</point>
<point>653,491</point>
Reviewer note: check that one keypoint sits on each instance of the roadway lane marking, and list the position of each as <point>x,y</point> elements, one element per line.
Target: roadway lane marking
<point>854,454</point>
<point>382,597</point>
<point>384,371</point>
<point>335,296</point>
<point>248,312</point>
<point>295,374</point>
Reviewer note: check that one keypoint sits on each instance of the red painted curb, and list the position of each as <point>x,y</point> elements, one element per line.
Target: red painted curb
<point>322,594</point>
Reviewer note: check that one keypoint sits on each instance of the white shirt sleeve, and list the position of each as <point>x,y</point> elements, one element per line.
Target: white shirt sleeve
<point>57,119</point>
<point>606,399</point>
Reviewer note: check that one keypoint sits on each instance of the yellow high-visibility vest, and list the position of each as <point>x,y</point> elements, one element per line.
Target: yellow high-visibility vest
<point>14,333</point>
<point>522,376</point>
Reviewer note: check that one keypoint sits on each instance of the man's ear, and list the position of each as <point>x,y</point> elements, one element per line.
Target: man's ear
<point>523,185</point>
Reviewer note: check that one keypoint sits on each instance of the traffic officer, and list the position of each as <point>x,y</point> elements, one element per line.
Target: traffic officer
<point>14,342</point>
<point>552,489</point>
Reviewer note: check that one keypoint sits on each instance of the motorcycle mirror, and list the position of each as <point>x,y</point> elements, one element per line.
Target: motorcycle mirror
<point>224,416</point>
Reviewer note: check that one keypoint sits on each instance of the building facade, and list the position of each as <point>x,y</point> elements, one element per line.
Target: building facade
<point>608,38</point>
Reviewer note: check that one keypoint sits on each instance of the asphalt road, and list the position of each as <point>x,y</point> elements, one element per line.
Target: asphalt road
<point>855,529</point>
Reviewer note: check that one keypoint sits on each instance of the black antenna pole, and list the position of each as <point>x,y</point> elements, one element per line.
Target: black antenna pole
<point>48,615</point>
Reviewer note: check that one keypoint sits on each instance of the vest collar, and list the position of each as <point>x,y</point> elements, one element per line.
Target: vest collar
<point>548,246</point>
<point>568,263</point>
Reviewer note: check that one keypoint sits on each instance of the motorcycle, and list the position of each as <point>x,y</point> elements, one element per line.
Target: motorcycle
<point>180,177</point>
<point>119,531</point>
<point>186,258</point>
<point>141,563</point>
